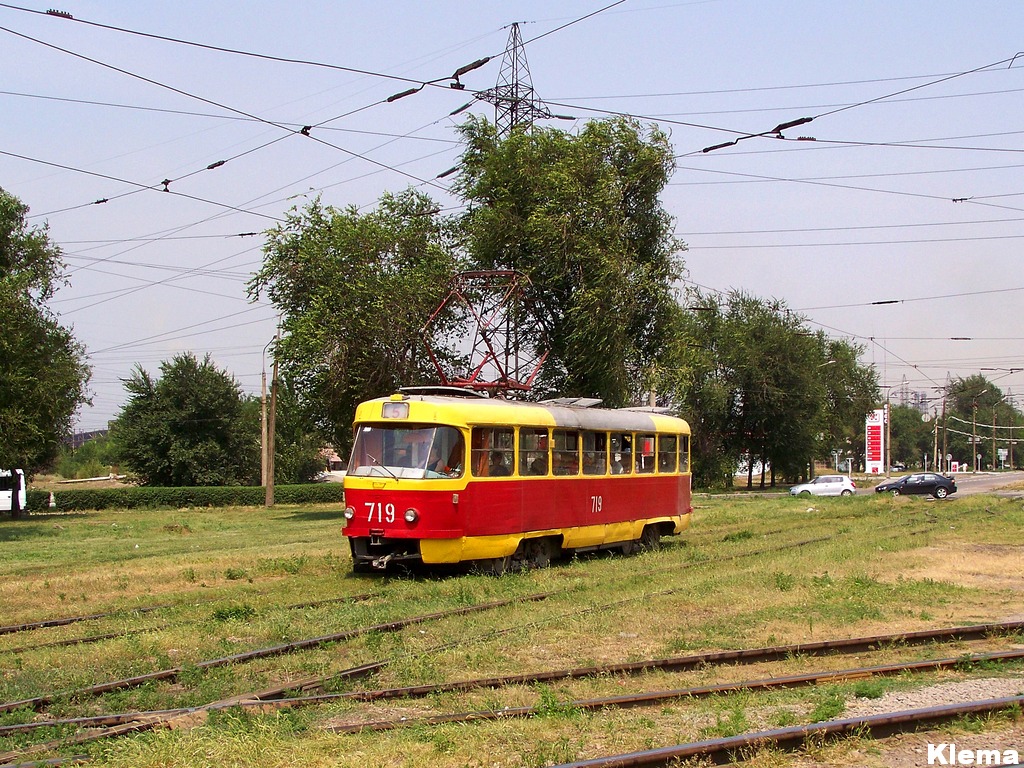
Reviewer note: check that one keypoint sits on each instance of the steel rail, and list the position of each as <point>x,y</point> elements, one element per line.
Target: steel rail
<point>85,640</point>
<point>274,697</point>
<point>680,663</point>
<point>735,749</point>
<point>38,702</point>
<point>66,760</point>
<point>697,692</point>
<point>45,623</point>
<point>12,628</point>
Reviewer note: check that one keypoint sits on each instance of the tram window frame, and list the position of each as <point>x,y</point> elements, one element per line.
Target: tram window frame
<point>595,453</point>
<point>668,458</point>
<point>621,445</point>
<point>645,455</point>
<point>565,447</point>
<point>534,444</point>
<point>485,443</point>
<point>684,453</point>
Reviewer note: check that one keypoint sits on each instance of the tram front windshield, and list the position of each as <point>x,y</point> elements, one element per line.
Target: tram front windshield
<point>407,451</point>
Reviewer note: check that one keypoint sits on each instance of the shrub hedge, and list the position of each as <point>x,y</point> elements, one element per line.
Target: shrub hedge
<point>131,497</point>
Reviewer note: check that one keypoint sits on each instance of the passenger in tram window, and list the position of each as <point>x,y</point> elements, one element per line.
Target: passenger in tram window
<point>595,453</point>
<point>498,468</point>
<point>667,453</point>
<point>645,454</point>
<point>622,446</point>
<point>533,452</point>
<point>617,468</point>
<point>566,453</point>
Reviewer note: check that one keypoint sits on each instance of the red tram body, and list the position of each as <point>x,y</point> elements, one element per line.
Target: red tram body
<point>443,479</point>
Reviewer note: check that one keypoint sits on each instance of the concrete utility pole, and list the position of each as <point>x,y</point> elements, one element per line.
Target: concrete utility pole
<point>263,431</point>
<point>994,454</point>
<point>271,431</point>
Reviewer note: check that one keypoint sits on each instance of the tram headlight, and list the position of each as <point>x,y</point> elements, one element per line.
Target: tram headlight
<point>411,515</point>
<point>349,513</point>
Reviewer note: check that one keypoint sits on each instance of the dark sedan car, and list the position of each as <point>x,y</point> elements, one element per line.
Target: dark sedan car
<point>924,483</point>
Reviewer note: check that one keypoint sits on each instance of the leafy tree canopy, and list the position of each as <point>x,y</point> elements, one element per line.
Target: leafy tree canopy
<point>43,373</point>
<point>354,291</point>
<point>186,428</point>
<point>758,386</point>
<point>581,216</point>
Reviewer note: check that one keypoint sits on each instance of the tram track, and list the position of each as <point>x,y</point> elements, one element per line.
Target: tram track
<point>134,722</point>
<point>734,749</point>
<point>276,698</point>
<point>653,698</point>
<point>37,703</point>
<point>67,620</point>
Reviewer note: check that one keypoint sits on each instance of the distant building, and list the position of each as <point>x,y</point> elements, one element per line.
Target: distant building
<point>334,462</point>
<point>79,439</point>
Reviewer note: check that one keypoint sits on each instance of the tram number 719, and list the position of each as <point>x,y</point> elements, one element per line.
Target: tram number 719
<point>595,504</point>
<point>377,511</point>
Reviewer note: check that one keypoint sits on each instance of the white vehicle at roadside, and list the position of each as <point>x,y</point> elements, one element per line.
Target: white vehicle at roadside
<point>12,490</point>
<point>825,485</point>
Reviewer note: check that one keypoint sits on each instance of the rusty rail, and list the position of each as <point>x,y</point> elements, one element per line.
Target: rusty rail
<point>697,692</point>
<point>38,702</point>
<point>736,748</point>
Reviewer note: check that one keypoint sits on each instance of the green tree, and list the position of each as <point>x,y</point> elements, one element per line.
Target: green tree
<point>93,458</point>
<point>297,446</point>
<point>910,437</point>
<point>186,428</point>
<point>43,373</point>
<point>851,390</point>
<point>355,291</point>
<point>760,388</point>
<point>977,409</point>
<point>581,217</point>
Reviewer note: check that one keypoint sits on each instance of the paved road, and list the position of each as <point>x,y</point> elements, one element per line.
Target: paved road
<point>987,482</point>
<point>969,483</point>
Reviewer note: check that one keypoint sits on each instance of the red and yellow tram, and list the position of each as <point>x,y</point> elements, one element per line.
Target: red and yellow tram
<point>440,477</point>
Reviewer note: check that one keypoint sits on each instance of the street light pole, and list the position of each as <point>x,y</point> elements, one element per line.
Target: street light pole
<point>974,435</point>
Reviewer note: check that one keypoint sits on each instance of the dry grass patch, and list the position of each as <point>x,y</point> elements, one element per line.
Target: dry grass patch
<point>984,566</point>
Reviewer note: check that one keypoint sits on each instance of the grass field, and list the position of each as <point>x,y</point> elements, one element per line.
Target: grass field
<point>750,572</point>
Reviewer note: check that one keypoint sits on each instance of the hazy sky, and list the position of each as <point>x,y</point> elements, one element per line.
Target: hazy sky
<point>911,192</point>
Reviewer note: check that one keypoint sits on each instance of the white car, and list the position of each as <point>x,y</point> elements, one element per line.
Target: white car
<point>12,490</point>
<point>825,485</point>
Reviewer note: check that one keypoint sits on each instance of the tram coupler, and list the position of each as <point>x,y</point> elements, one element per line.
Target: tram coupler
<point>380,563</point>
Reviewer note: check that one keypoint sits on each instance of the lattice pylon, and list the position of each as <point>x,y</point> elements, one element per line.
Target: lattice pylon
<point>514,99</point>
<point>505,343</point>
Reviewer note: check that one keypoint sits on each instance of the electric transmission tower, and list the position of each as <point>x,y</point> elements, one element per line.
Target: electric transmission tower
<point>515,102</point>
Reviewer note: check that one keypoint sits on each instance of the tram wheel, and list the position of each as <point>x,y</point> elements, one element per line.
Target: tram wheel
<point>495,566</point>
<point>631,547</point>
<point>537,553</point>
<point>650,539</point>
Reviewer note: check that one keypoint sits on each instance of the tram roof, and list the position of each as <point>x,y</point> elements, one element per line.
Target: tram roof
<point>470,411</point>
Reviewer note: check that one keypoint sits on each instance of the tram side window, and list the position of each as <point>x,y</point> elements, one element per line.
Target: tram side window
<point>667,445</point>
<point>565,452</point>
<point>645,454</point>
<point>684,453</point>
<point>622,453</point>
<point>533,451</point>
<point>493,453</point>
<point>595,453</point>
